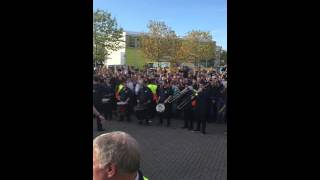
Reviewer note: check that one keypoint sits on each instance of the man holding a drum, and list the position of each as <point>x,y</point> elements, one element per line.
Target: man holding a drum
<point>144,99</point>
<point>124,102</point>
<point>165,92</point>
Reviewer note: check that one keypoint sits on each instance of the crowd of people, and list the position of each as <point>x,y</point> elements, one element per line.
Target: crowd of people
<point>196,96</point>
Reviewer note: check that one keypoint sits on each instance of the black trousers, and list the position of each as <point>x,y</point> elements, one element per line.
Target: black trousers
<point>212,117</point>
<point>99,124</point>
<point>100,108</point>
<point>107,110</point>
<point>201,122</point>
<point>125,114</point>
<point>166,115</point>
<point>143,115</point>
<point>188,118</point>
<point>152,109</point>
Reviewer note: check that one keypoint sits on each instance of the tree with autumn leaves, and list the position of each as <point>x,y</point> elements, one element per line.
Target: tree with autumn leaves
<point>161,43</point>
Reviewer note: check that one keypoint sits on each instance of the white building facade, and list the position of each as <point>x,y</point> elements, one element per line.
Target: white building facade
<point>117,57</point>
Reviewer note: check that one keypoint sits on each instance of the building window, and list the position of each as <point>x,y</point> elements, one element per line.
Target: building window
<point>132,44</point>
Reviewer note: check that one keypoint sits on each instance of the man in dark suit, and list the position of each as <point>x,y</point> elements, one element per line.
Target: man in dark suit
<point>165,92</point>
<point>220,101</point>
<point>125,95</point>
<point>187,109</point>
<point>107,98</point>
<point>97,100</point>
<point>144,99</point>
<point>202,107</point>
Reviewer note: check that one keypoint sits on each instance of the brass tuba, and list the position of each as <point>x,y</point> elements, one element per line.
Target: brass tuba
<point>190,98</point>
<point>178,95</point>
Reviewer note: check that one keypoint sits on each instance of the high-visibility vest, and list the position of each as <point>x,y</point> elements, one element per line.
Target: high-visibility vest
<point>120,87</point>
<point>144,178</point>
<point>153,88</point>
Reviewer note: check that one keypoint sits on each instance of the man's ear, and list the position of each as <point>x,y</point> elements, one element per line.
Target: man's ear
<point>111,170</point>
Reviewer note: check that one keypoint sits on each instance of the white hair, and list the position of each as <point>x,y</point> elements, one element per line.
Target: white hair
<point>119,148</point>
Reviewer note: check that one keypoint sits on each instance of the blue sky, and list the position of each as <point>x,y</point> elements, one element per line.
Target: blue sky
<point>181,15</point>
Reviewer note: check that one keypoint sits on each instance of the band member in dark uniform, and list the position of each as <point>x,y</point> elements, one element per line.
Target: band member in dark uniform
<point>222,104</point>
<point>107,99</point>
<point>113,84</point>
<point>214,95</point>
<point>195,86</point>
<point>97,100</point>
<point>202,107</point>
<point>187,110</point>
<point>219,100</point>
<point>165,92</point>
<point>224,108</point>
<point>125,95</point>
<point>144,99</point>
<point>153,87</point>
<point>176,90</point>
<point>211,104</point>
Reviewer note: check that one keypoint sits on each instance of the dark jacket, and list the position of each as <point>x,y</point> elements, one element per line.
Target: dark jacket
<point>203,102</point>
<point>186,98</point>
<point>98,95</point>
<point>126,93</point>
<point>164,93</point>
<point>144,95</point>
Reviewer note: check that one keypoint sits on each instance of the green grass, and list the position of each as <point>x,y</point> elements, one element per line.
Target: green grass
<point>134,57</point>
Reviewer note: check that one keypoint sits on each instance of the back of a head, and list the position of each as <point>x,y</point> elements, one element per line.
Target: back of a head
<point>119,148</point>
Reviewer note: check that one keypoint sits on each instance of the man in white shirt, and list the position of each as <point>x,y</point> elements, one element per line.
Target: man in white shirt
<point>130,85</point>
<point>138,86</point>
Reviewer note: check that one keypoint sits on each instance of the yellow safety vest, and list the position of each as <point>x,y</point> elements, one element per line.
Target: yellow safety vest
<point>118,91</point>
<point>144,178</point>
<point>120,87</point>
<point>153,89</point>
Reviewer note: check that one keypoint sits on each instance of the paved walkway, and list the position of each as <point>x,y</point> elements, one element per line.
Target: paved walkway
<point>177,154</point>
